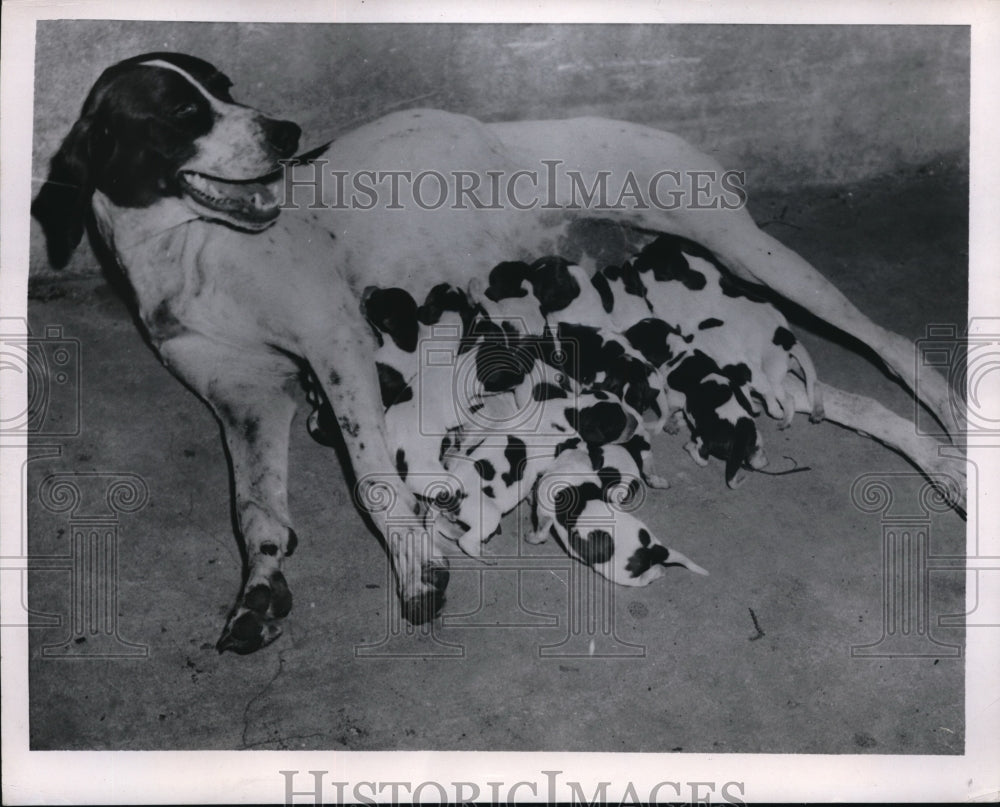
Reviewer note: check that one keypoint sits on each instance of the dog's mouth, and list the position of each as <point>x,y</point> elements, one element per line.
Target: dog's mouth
<point>251,204</point>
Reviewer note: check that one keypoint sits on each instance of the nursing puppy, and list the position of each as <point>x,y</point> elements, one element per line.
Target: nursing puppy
<point>685,286</point>
<point>417,359</point>
<point>593,352</point>
<point>506,298</point>
<point>579,502</point>
<point>497,471</point>
<point>720,417</point>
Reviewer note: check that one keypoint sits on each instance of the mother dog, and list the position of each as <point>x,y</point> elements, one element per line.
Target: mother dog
<point>240,298</point>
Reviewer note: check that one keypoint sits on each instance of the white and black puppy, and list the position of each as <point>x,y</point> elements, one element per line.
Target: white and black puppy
<point>720,416</point>
<point>506,298</point>
<point>583,501</point>
<point>498,470</point>
<point>462,453</point>
<point>592,350</point>
<point>687,287</point>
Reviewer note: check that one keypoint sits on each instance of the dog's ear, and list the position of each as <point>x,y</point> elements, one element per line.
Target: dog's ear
<point>553,285</point>
<point>505,281</point>
<point>392,311</point>
<point>435,304</point>
<point>600,283</point>
<point>63,203</point>
<point>445,297</point>
<point>688,375</point>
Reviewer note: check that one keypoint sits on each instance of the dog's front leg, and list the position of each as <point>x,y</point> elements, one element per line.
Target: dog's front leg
<point>249,394</point>
<point>349,380</point>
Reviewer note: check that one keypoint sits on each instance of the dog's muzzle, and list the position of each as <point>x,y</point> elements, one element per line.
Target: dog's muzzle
<point>251,204</point>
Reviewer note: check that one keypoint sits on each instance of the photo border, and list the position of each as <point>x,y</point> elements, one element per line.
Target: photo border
<point>253,776</point>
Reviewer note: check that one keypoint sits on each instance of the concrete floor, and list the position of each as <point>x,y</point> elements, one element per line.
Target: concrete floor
<point>754,658</point>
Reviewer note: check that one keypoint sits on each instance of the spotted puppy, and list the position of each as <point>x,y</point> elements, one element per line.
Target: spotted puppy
<point>686,286</point>
<point>564,301</point>
<point>497,471</point>
<point>720,416</point>
<point>581,501</point>
<point>506,298</point>
<point>419,378</point>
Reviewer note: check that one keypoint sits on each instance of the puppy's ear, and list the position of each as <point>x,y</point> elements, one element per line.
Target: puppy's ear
<point>63,203</point>
<point>392,311</point>
<point>553,285</point>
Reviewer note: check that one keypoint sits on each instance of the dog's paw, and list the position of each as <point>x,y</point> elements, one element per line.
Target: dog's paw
<point>736,480</point>
<point>694,449</point>
<point>251,625</point>
<point>948,474</point>
<point>657,481</point>
<point>246,632</point>
<point>423,607</point>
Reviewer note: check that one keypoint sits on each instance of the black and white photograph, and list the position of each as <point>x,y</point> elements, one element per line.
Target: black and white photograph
<point>407,405</point>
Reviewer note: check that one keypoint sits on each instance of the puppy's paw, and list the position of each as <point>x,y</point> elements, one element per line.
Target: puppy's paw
<point>657,481</point>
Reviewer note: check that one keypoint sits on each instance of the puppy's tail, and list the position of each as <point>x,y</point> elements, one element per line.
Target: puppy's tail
<point>675,558</point>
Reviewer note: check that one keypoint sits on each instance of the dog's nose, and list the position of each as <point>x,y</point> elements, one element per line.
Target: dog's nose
<point>283,137</point>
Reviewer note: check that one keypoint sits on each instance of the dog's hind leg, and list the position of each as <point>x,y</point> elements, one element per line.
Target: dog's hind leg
<point>731,234</point>
<point>757,256</point>
<point>808,373</point>
<point>870,418</point>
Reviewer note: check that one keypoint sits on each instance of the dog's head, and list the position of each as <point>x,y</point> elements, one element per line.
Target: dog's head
<point>506,281</point>
<point>600,418</point>
<point>650,337</point>
<point>629,377</point>
<point>553,284</point>
<point>445,298</point>
<point>392,312</point>
<point>158,126</point>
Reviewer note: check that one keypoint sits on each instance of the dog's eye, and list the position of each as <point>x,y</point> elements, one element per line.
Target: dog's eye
<point>185,110</point>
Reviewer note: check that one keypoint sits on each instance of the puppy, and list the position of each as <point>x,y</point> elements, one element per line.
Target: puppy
<point>578,500</point>
<point>720,417</point>
<point>596,355</point>
<point>685,286</point>
<point>506,298</point>
<point>496,471</point>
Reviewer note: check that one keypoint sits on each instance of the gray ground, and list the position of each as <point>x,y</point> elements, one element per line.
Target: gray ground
<point>755,658</point>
